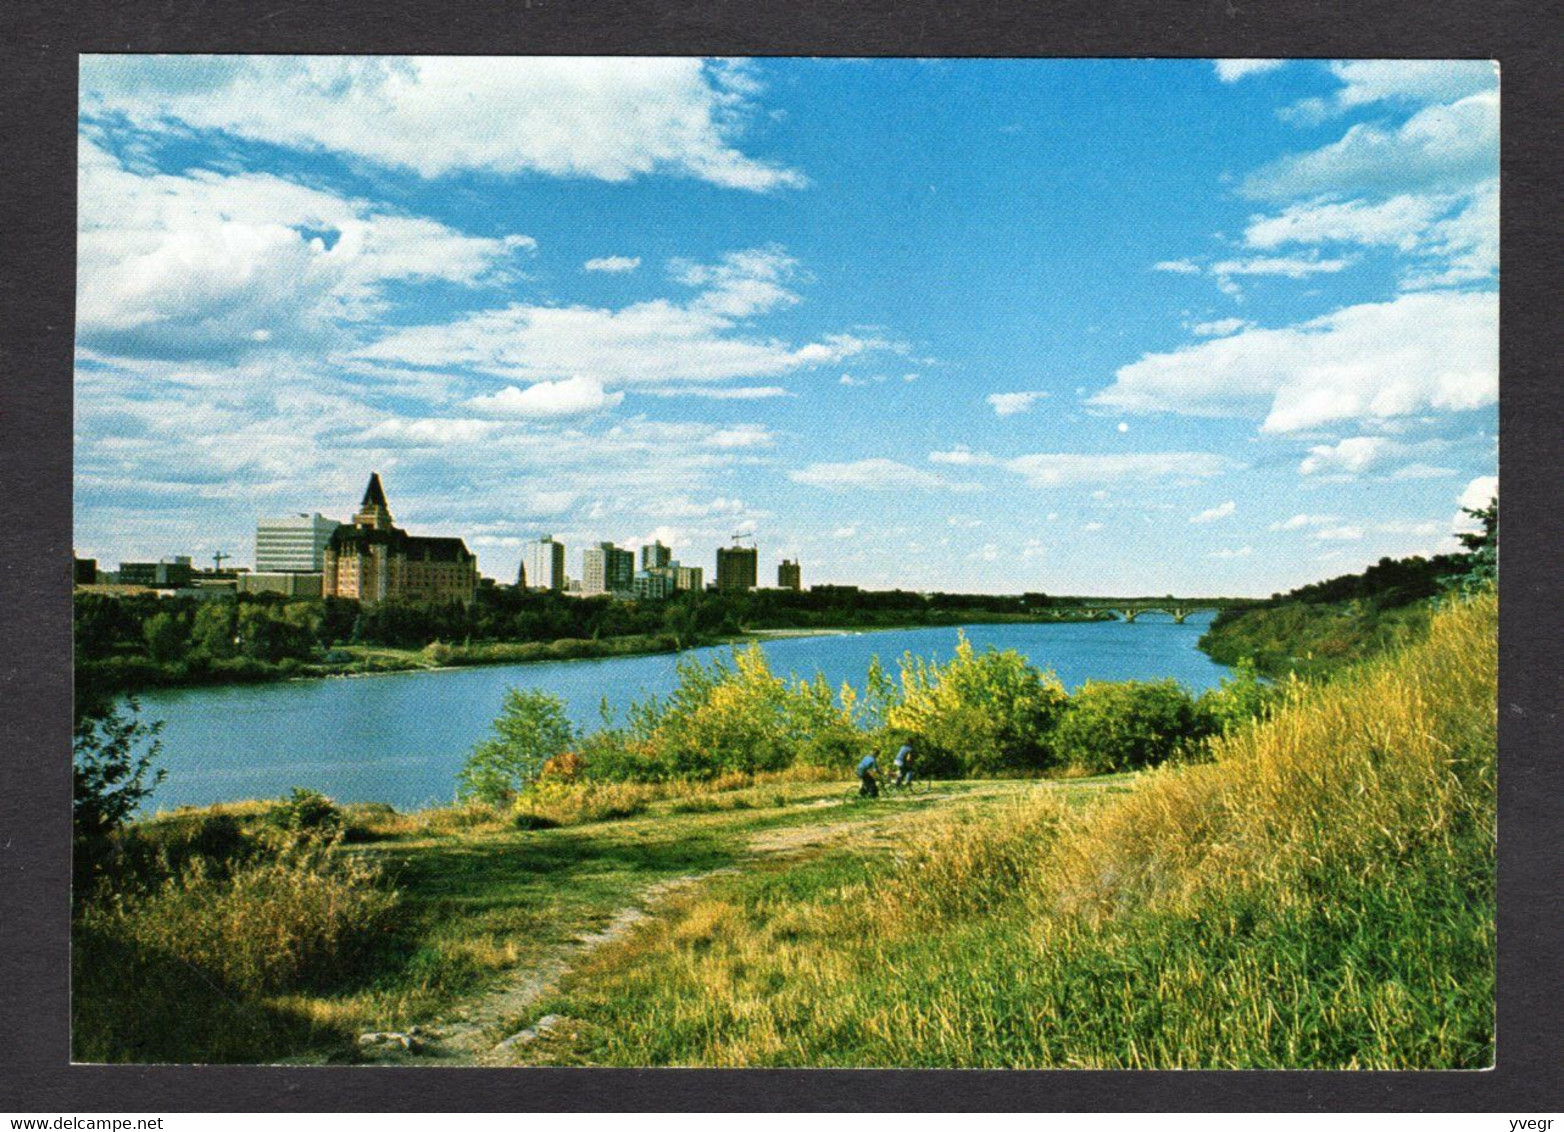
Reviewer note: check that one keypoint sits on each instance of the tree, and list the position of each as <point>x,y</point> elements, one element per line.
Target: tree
<point>112,766</point>
<point>531,729</point>
<point>1482,546</point>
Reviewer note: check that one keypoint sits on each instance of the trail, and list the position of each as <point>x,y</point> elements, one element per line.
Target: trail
<point>467,1035</point>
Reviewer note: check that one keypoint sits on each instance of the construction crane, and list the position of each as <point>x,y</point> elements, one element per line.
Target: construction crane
<point>217,561</point>
<point>741,536</point>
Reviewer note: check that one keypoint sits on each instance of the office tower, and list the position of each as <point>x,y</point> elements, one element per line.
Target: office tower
<point>688,577</point>
<point>656,556</point>
<point>737,568</point>
<point>292,542</point>
<point>543,563</point>
<point>789,576</point>
<point>606,569</point>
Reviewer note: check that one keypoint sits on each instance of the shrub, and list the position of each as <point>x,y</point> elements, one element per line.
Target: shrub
<point>307,814</point>
<point>294,918</point>
<point>980,713</point>
<point>1121,726</point>
<point>532,729</point>
<point>1240,699</point>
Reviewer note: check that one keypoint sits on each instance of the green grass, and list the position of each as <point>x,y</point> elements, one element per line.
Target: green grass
<point>1318,896</point>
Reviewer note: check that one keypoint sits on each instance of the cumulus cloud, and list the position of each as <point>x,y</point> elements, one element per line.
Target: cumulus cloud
<point>571,397</point>
<point>869,475</point>
<point>1374,360</point>
<point>1303,521</point>
<point>644,344</point>
<point>1062,469</point>
<point>1349,533</point>
<point>1240,552</point>
<point>1212,514</point>
<point>1479,493</point>
<point>1439,148</point>
<point>1366,81</point>
<point>611,119</point>
<point>1231,70</point>
<point>961,455</point>
<point>1351,456</point>
<point>1009,404</point>
<point>205,264</point>
<point>613,264</point>
<point>1221,327</point>
<point>1177,267</point>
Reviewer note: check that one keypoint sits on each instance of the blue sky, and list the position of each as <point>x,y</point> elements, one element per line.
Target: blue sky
<point>1075,326</point>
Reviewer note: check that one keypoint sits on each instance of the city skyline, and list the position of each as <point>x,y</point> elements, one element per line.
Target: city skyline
<point>980,326</point>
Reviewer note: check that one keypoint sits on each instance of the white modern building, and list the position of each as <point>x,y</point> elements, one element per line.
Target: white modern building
<point>293,543</point>
<point>543,564</point>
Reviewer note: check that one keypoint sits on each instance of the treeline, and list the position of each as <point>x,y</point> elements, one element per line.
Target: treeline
<point>982,713</point>
<point>127,643</point>
<point>1320,628</point>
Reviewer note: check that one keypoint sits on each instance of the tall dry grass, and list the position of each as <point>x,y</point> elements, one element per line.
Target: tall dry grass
<point>1320,895</point>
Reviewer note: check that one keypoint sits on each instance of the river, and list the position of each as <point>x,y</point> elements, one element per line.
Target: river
<point>401,737</point>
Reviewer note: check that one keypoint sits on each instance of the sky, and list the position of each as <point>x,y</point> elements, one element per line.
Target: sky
<point>1071,326</point>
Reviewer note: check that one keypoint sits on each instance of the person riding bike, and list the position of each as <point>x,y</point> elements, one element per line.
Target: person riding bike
<point>903,764</point>
<point>869,788</point>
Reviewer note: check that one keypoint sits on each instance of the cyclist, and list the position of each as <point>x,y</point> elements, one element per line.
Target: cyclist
<point>869,788</point>
<point>903,764</point>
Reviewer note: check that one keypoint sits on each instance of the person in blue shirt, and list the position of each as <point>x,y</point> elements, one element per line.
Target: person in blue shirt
<point>903,764</point>
<point>866,768</point>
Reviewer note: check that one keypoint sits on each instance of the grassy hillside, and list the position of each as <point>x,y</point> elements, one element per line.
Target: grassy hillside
<point>1320,895</point>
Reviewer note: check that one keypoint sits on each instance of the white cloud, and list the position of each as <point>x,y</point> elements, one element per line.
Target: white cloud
<point>1398,222</point>
<point>845,532</point>
<point>1339,534</point>
<point>1240,552</point>
<point>718,393</point>
<point>613,264</point>
<point>1290,267</point>
<point>571,397</point>
<point>869,475</point>
<point>1093,526</point>
<point>1375,360</point>
<point>1367,81</point>
<point>429,433</point>
<point>613,119</point>
<point>1303,521</point>
<point>1440,148</point>
<point>962,456</point>
<point>1480,492</point>
<point>1009,404</point>
<point>1419,471</point>
<point>1231,70</point>
<point>648,343</point>
<point>1059,469</point>
<point>1220,328</point>
<point>1177,267</point>
<point>1211,515</point>
<point>1351,456</point>
<point>205,264</point>
<point>741,436</point>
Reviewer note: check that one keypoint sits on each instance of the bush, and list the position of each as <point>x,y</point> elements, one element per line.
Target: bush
<point>1124,726</point>
<point>980,713</point>
<point>532,728</point>
<point>307,814</point>
<point>292,919</point>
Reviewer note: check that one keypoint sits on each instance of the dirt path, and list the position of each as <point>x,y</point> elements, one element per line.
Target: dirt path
<point>467,1035</point>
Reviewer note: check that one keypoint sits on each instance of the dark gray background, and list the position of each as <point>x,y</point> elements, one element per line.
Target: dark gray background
<point>37,247</point>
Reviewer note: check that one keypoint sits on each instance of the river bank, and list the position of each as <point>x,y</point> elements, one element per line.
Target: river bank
<point>134,675</point>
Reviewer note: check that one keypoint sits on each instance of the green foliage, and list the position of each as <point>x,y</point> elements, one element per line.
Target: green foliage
<point>1125,726</point>
<point>1482,549</point>
<point>307,814</point>
<point>1240,699</point>
<point>113,768</point>
<point>979,713</point>
<point>531,729</point>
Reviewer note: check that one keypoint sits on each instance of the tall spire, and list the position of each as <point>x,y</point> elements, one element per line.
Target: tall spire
<point>373,511</point>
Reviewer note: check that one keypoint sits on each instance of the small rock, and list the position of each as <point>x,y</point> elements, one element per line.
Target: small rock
<point>390,1038</point>
<point>546,1024</point>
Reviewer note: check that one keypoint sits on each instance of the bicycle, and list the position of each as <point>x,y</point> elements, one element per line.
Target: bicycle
<point>917,787</point>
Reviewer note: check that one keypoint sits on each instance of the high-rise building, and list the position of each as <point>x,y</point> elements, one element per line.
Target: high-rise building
<point>293,542</point>
<point>737,567</point>
<point>688,577</point>
<point>654,585</point>
<point>606,569</point>
<point>543,565</point>
<point>656,556</point>
<point>373,559</point>
<point>789,577</point>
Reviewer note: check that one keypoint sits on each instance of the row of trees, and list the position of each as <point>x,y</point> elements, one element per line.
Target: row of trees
<point>982,713</point>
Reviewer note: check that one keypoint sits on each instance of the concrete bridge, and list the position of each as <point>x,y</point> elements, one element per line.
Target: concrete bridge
<point>1178,609</point>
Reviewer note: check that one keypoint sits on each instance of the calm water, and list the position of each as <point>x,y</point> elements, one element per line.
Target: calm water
<point>400,738</point>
